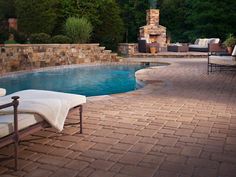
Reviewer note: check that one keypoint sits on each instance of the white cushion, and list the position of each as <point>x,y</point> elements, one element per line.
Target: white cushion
<point>234,51</point>
<point>2,92</point>
<point>201,42</point>
<point>222,60</point>
<point>217,40</point>
<point>24,120</point>
<point>213,41</point>
<point>197,46</point>
<point>196,42</point>
<point>205,41</point>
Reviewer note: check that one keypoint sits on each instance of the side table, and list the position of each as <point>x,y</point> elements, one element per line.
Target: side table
<point>177,48</point>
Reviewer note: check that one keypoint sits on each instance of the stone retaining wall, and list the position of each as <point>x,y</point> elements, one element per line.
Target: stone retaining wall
<point>32,56</point>
<point>128,49</point>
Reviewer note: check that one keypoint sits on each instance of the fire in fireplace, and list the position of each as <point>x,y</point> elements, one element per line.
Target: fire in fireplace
<point>153,38</point>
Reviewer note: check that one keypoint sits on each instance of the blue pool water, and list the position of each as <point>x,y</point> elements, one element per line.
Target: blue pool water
<point>89,80</point>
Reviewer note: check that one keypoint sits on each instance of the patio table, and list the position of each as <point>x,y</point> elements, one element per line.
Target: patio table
<point>177,48</point>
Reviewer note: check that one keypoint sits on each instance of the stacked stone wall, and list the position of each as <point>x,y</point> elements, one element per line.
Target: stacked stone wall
<point>128,49</point>
<point>33,56</point>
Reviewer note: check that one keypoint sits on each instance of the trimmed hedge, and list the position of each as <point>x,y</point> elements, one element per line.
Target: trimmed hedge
<point>10,42</point>
<point>60,39</point>
<point>40,38</point>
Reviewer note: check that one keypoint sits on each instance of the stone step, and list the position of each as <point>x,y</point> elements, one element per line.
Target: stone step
<point>120,58</point>
<point>102,48</point>
<point>107,51</point>
<point>115,54</point>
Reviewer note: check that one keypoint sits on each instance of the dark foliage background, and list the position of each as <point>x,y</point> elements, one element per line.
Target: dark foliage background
<point>117,21</point>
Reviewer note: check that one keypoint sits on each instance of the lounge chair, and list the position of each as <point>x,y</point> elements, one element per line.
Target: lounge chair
<point>32,111</point>
<point>221,59</point>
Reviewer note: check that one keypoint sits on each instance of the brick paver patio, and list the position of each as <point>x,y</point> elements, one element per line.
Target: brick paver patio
<point>183,124</point>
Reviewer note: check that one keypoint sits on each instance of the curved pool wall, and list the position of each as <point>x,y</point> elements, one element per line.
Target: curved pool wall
<point>90,80</point>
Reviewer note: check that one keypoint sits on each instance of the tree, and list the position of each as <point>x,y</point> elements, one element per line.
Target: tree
<point>212,18</point>
<point>110,30</point>
<point>173,17</point>
<point>134,16</point>
<point>64,10</point>
<point>7,9</point>
<point>36,16</point>
<point>105,18</point>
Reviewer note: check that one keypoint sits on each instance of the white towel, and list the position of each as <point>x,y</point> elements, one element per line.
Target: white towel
<point>52,106</point>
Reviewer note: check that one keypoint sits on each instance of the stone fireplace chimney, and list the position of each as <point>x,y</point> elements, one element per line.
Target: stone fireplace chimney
<point>153,32</point>
<point>12,23</point>
<point>153,17</point>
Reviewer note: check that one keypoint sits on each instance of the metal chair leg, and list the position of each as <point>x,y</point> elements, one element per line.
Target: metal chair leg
<point>16,132</point>
<point>16,155</point>
<point>81,121</point>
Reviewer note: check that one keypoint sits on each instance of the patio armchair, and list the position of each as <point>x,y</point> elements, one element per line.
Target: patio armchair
<point>142,46</point>
<point>221,60</point>
<point>17,120</point>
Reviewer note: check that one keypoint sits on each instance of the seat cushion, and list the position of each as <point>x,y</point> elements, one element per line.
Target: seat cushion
<point>196,46</point>
<point>24,120</point>
<point>222,60</point>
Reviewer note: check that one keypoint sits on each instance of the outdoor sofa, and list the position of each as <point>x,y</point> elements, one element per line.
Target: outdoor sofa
<point>221,60</point>
<point>205,45</point>
<point>25,112</point>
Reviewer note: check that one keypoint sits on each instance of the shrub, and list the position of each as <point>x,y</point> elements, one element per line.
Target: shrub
<point>60,39</point>
<point>78,29</point>
<point>11,39</point>
<point>10,42</point>
<point>230,41</point>
<point>19,37</point>
<point>40,38</point>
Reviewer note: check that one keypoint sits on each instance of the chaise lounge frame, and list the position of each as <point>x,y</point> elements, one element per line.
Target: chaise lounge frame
<point>17,135</point>
<point>214,50</point>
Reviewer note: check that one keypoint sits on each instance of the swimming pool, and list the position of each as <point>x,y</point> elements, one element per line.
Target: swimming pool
<point>89,80</point>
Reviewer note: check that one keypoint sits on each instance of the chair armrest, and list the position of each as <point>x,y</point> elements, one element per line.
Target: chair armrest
<point>14,103</point>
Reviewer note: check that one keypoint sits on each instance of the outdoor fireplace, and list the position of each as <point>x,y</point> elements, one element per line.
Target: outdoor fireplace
<point>153,32</point>
<point>153,38</point>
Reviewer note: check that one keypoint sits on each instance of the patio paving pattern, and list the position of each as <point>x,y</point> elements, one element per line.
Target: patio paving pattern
<point>182,124</point>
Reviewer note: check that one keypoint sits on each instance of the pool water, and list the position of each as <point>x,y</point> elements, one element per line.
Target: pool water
<point>89,80</point>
